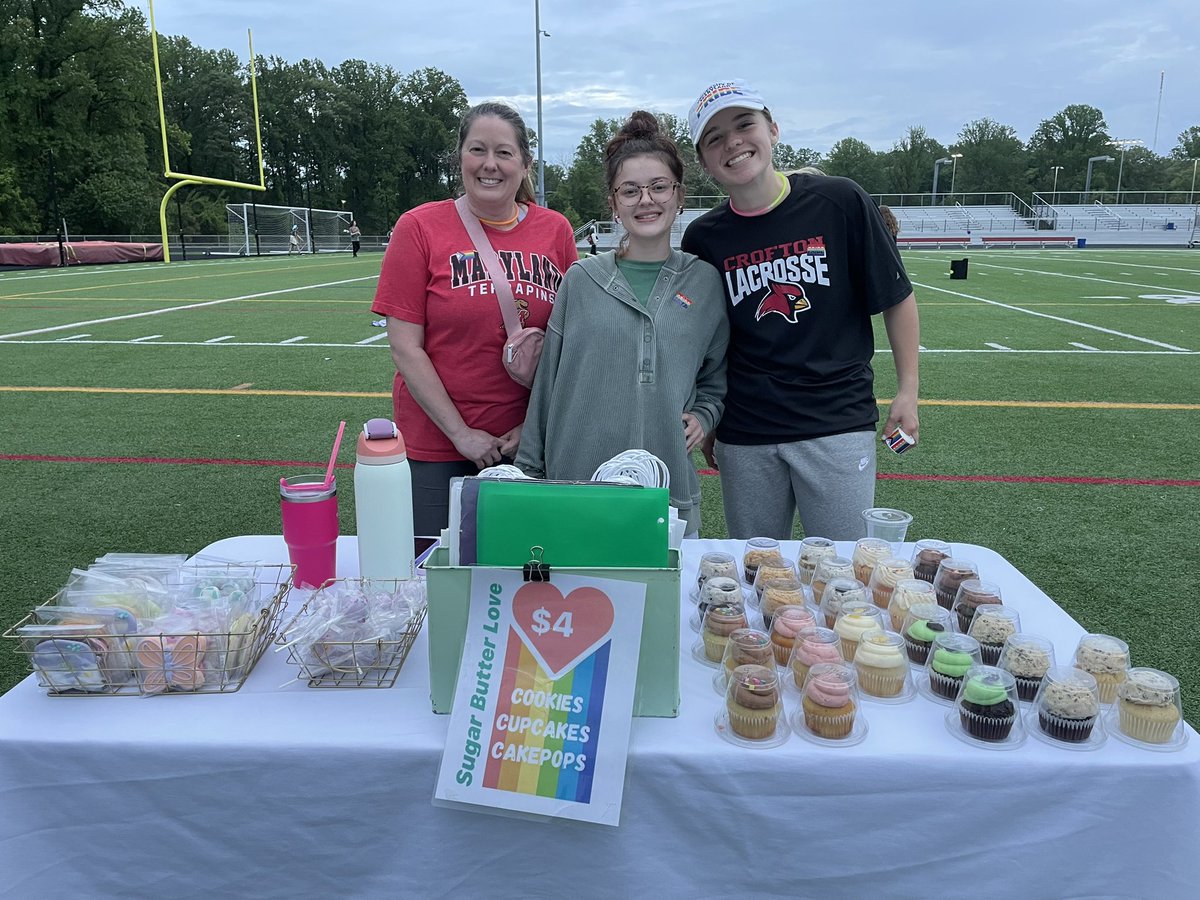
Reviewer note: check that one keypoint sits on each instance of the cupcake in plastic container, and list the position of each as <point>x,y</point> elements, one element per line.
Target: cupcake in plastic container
<point>748,647</point>
<point>829,568</point>
<point>992,626</point>
<point>889,572</point>
<point>720,621</point>
<point>927,556</point>
<point>883,667</point>
<point>812,551</point>
<point>986,709</point>
<point>838,592</point>
<point>829,708</point>
<point>772,569</point>
<point>713,564</point>
<point>785,590</point>
<point>1068,705</point>
<point>908,592</point>
<point>753,706</point>
<point>951,573</point>
<point>868,552</point>
<point>757,550</point>
<point>813,646</point>
<point>1028,657</point>
<point>717,591</point>
<point>1148,709</point>
<point>786,625</point>
<point>1105,657</point>
<point>922,623</point>
<point>973,594</point>
<point>855,620</point>
<point>950,658</point>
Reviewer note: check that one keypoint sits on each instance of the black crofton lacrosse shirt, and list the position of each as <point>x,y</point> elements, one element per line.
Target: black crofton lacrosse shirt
<point>802,283</point>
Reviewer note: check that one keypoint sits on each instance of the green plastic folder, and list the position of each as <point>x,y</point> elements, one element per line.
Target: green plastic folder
<point>590,524</point>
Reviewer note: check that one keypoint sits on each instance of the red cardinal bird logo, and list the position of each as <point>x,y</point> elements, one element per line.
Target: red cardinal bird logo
<point>786,299</point>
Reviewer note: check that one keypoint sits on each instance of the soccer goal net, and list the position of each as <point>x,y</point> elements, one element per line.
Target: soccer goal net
<point>258,229</point>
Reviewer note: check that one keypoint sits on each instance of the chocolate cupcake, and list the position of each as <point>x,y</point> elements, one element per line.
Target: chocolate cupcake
<point>927,556</point>
<point>972,594</point>
<point>923,623</point>
<point>984,706</point>
<point>1027,657</point>
<point>950,658</point>
<point>992,626</point>
<point>1068,705</point>
<point>951,573</point>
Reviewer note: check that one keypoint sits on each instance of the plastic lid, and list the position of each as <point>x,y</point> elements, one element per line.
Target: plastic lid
<point>382,451</point>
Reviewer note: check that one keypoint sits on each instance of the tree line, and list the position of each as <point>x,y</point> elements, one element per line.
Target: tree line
<point>79,136</point>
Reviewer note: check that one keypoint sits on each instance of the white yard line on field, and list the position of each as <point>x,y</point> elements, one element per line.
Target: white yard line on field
<point>1086,276</point>
<point>158,312</point>
<point>373,338</point>
<point>221,339</point>
<point>1082,346</point>
<point>996,346</point>
<point>1042,315</point>
<point>295,340</point>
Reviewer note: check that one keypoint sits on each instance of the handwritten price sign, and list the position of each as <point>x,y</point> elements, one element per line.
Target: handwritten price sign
<point>560,630</point>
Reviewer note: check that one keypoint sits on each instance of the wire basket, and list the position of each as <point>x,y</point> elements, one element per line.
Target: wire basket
<point>117,658</point>
<point>352,664</point>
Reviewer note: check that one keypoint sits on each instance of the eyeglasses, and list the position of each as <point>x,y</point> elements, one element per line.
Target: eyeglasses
<point>630,194</point>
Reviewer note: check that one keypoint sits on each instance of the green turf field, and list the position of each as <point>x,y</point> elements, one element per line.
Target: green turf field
<point>147,408</point>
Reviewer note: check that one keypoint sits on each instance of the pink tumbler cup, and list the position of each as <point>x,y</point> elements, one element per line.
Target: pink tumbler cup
<point>310,527</point>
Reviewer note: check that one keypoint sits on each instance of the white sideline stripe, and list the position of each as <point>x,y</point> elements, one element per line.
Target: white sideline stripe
<point>296,339</point>
<point>1086,276</point>
<point>217,340</point>
<point>372,339</point>
<point>1042,315</point>
<point>78,271</point>
<point>996,346</point>
<point>1105,297</point>
<point>1083,346</point>
<point>73,337</point>
<point>159,312</point>
<point>148,337</point>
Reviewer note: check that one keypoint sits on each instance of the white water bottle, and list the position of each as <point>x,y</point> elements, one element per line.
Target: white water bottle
<point>383,503</point>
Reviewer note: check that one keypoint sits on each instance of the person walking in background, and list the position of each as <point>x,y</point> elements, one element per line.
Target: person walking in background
<point>454,401</point>
<point>635,349</point>
<point>355,237</point>
<point>806,262</point>
<point>294,240</point>
<point>591,239</point>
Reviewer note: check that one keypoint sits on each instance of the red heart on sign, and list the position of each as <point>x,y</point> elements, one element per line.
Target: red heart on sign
<point>561,630</point>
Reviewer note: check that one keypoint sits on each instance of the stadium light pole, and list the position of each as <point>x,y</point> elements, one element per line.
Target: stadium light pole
<point>954,171</point>
<point>537,37</point>
<point>1124,145</point>
<point>937,164</point>
<point>1054,190</point>
<point>1192,192</point>
<point>1087,187</point>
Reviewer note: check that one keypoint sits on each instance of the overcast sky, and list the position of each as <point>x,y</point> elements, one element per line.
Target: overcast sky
<point>859,68</point>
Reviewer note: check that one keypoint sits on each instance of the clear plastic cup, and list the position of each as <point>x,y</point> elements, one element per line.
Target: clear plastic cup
<point>1107,658</point>
<point>745,647</point>
<point>908,593</point>
<point>837,593</point>
<point>828,568</point>
<point>1067,708</point>
<point>888,572</point>
<point>992,626</point>
<point>890,525</point>
<point>813,646</point>
<point>777,592</point>
<point>1028,657</point>
<point>951,573</point>
<point>882,667</point>
<point>753,712</point>
<point>922,623</point>
<point>855,620</point>
<point>786,625</point>
<point>770,569</point>
<point>720,621</point>
<point>829,707</point>
<point>716,590</point>
<point>715,563</point>
<point>986,710</point>
<point>757,549</point>
<point>927,556</point>
<point>813,550</point>
<point>973,594</point>
<point>950,658</point>
<point>867,553</point>
<point>1148,712</point>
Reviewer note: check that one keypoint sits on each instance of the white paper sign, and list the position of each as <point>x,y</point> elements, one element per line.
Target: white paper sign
<point>545,696</point>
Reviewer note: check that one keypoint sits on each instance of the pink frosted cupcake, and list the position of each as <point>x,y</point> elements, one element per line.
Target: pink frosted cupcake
<point>786,626</point>
<point>813,646</point>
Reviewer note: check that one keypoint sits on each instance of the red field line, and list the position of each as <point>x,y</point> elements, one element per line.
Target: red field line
<point>882,476</point>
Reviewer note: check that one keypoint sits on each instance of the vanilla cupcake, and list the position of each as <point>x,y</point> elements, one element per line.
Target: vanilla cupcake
<point>908,593</point>
<point>881,664</point>
<point>812,551</point>
<point>753,702</point>
<point>828,705</point>
<point>813,646</point>
<point>719,623</point>
<point>1105,657</point>
<point>889,572</point>
<point>867,554</point>
<point>1148,706</point>
<point>856,619</point>
<point>786,626</point>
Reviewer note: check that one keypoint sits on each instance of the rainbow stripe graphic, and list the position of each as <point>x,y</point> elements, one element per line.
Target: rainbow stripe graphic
<point>587,681</point>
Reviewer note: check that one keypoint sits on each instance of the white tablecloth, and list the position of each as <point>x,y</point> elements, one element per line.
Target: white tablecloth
<point>295,793</point>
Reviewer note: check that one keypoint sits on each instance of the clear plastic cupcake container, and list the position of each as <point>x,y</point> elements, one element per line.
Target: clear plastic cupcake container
<point>785,590</point>
<point>867,553</point>
<point>1148,712</point>
<point>1028,657</point>
<point>838,592</point>
<point>812,647</point>
<point>745,647</point>
<point>927,556</point>
<point>773,569</point>
<point>1066,710</point>
<point>888,572</point>
<point>757,550</point>
<point>829,568</point>
<point>753,713</point>
<point>922,623</point>
<point>950,658</point>
<point>830,707</point>
<point>971,595</point>
<point>856,619</point>
<point>813,550</point>
<point>908,593</point>
<point>717,590</point>
<point>713,564</point>
<point>1105,657</point>
<point>882,666</point>
<point>786,625</point>
<point>992,626</point>
<point>986,712</point>
<point>720,621</point>
<point>950,575</point>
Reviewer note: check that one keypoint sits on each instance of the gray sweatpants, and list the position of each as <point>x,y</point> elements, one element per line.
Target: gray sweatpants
<point>829,480</point>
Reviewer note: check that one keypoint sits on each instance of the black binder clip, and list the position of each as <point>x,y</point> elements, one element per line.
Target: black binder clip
<point>535,569</point>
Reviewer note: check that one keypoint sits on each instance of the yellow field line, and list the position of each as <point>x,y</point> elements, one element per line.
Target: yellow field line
<point>242,392</point>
